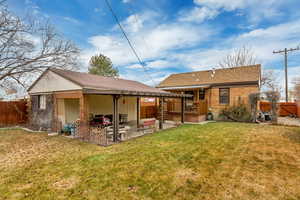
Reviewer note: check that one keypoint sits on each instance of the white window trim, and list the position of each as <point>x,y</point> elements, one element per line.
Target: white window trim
<point>42,102</point>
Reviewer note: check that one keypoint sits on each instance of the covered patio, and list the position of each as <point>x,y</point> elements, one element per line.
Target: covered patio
<point>97,109</point>
<point>107,117</point>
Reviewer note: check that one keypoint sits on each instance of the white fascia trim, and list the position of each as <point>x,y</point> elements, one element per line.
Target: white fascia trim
<point>184,87</point>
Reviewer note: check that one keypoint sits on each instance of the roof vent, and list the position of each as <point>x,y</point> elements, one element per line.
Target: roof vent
<point>213,71</point>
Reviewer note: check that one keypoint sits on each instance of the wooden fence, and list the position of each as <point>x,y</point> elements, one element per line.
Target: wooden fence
<point>285,109</point>
<point>298,108</point>
<point>13,113</point>
<point>148,112</point>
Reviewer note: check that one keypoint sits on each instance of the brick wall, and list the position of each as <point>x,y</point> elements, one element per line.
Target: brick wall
<point>237,94</point>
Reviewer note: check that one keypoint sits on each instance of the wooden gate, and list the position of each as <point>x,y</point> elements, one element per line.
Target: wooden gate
<point>13,113</point>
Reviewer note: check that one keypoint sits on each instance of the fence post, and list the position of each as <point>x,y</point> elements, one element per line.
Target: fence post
<point>161,105</point>
<point>182,109</point>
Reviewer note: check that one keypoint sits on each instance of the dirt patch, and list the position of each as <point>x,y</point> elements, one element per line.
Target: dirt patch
<point>182,176</point>
<point>289,121</point>
<point>66,184</point>
<point>24,186</point>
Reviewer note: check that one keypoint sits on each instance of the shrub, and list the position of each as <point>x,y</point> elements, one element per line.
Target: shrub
<point>253,100</point>
<point>273,97</point>
<point>237,113</point>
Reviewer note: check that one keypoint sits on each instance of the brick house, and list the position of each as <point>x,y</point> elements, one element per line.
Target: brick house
<point>212,90</point>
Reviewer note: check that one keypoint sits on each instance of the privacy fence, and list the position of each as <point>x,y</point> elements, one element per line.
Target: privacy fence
<point>149,111</point>
<point>285,109</point>
<point>13,113</point>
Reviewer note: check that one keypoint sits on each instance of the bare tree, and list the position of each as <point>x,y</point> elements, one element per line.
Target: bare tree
<point>297,88</point>
<point>238,57</point>
<point>270,82</point>
<point>28,47</point>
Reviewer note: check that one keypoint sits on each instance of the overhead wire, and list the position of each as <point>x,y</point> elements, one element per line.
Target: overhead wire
<point>128,40</point>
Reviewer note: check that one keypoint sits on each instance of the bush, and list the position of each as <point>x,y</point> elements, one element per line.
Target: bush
<point>238,113</point>
<point>273,97</point>
<point>253,100</point>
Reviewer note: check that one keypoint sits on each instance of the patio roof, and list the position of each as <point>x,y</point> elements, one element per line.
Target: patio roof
<point>95,84</point>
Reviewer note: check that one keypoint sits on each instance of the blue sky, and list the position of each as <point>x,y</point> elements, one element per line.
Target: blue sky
<point>174,36</point>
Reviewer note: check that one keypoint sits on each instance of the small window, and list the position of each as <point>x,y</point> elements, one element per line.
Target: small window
<point>42,102</point>
<point>190,93</point>
<point>201,94</point>
<point>224,95</point>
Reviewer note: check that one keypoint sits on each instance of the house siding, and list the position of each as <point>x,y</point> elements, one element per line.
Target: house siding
<point>238,94</point>
<point>51,82</point>
<point>103,104</point>
<point>41,119</point>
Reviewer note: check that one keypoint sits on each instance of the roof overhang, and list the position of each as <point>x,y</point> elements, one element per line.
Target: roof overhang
<point>134,93</point>
<point>184,87</point>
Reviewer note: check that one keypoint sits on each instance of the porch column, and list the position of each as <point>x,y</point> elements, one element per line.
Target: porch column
<point>182,109</point>
<point>161,105</point>
<point>55,117</point>
<point>83,113</point>
<point>138,111</point>
<point>115,117</point>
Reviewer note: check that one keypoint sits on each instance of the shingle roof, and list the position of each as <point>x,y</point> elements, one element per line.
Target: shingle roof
<point>101,83</point>
<point>221,76</point>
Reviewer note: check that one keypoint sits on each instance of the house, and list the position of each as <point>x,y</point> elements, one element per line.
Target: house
<point>60,97</point>
<point>211,90</point>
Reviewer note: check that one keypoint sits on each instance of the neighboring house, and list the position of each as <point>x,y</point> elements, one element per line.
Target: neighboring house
<point>59,97</point>
<point>212,90</point>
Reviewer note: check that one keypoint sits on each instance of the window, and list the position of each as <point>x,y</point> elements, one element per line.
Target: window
<point>224,95</point>
<point>42,102</point>
<point>190,93</point>
<point>201,94</point>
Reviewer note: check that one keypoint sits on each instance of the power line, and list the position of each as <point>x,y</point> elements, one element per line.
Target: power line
<point>136,21</point>
<point>286,51</point>
<point>126,37</point>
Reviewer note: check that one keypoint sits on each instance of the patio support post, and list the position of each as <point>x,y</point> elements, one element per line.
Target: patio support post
<point>161,105</point>
<point>182,109</point>
<point>138,111</point>
<point>115,117</point>
<point>83,112</point>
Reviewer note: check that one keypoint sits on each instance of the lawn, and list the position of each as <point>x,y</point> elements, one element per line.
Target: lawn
<point>212,161</point>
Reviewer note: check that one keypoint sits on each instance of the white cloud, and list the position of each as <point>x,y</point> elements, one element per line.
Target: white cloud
<point>177,44</point>
<point>255,10</point>
<point>126,1</point>
<point>264,41</point>
<point>198,14</point>
<point>134,66</point>
<point>134,23</point>
<point>200,59</point>
<point>224,4</point>
<point>157,64</point>
<point>160,64</point>
<point>72,20</point>
<point>149,43</point>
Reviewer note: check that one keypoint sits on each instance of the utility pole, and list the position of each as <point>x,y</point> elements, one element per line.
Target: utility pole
<point>286,51</point>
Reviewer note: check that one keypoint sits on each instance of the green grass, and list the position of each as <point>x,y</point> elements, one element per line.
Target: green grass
<point>212,161</point>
